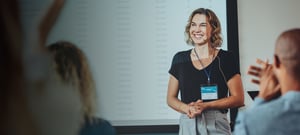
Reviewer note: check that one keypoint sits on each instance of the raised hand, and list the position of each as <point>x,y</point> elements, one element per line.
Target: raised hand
<point>266,79</point>
<point>48,21</point>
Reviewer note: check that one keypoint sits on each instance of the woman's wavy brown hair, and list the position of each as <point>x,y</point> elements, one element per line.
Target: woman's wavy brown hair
<point>216,38</point>
<point>72,66</point>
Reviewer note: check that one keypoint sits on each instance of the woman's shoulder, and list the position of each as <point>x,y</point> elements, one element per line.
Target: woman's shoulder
<point>225,54</point>
<point>181,56</point>
<point>183,53</point>
<point>221,51</point>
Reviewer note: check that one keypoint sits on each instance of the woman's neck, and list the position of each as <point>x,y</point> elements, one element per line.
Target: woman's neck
<point>204,51</point>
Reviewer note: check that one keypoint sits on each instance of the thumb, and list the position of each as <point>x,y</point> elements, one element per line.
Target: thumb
<point>277,88</point>
<point>199,101</point>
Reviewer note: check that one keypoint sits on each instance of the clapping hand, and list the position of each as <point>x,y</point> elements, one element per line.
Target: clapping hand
<point>266,79</point>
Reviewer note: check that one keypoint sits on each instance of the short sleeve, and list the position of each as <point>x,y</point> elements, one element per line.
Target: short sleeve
<point>174,66</point>
<point>230,66</point>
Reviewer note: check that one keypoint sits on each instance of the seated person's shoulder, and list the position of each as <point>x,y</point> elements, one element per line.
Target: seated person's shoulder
<point>97,126</point>
<point>105,124</point>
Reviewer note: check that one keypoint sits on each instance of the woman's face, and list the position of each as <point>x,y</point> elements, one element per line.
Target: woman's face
<point>200,30</point>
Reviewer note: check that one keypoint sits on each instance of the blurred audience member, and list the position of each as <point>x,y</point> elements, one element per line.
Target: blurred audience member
<point>72,66</point>
<point>15,118</point>
<point>276,109</point>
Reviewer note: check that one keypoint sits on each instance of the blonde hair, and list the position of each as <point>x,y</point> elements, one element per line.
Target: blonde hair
<point>216,38</point>
<point>72,66</point>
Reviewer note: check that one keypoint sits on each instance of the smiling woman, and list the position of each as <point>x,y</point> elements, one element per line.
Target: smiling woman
<point>199,29</point>
<point>200,24</point>
<point>204,83</point>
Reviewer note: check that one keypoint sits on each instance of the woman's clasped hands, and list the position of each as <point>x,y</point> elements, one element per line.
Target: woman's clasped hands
<point>196,108</point>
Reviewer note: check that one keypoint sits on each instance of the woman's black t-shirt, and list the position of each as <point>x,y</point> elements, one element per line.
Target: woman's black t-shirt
<point>222,69</point>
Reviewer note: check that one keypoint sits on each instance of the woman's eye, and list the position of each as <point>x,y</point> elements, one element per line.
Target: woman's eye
<point>203,25</point>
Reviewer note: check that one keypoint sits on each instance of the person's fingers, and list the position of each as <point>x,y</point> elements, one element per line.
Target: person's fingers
<point>261,62</point>
<point>277,88</point>
<point>189,115</point>
<point>269,69</point>
<point>199,101</point>
<point>254,73</point>
<point>255,81</point>
<point>191,104</point>
<point>254,68</point>
<point>192,109</point>
<point>264,64</point>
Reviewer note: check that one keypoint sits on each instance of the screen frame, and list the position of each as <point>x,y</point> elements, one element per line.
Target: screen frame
<point>233,46</point>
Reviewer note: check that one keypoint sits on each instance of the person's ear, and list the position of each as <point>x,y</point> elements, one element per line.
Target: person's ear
<point>276,61</point>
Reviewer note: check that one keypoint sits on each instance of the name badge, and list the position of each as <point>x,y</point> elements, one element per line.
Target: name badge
<point>209,91</point>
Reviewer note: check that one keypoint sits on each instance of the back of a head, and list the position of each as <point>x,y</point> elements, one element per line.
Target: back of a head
<point>68,60</point>
<point>288,51</point>
<point>72,66</point>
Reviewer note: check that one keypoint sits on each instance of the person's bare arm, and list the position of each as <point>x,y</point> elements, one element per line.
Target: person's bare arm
<point>48,21</point>
<point>172,97</point>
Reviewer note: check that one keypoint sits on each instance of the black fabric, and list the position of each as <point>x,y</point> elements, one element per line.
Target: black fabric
<point>191,78</point>
<point>97,127</point>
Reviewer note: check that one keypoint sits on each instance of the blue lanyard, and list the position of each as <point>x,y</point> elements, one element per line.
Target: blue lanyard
<point>206,73</point>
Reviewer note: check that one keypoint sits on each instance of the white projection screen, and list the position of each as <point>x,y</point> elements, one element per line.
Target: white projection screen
<point>130,45</point>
